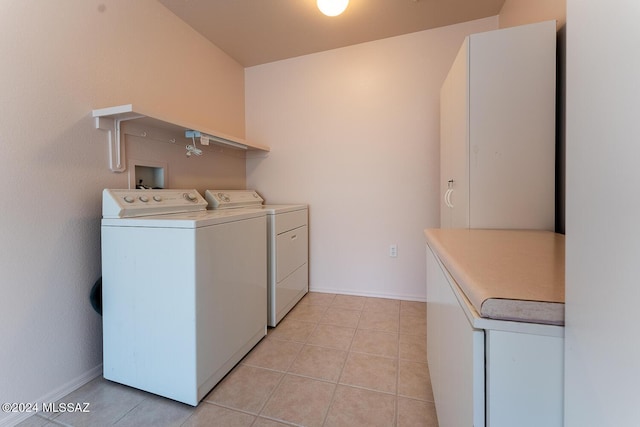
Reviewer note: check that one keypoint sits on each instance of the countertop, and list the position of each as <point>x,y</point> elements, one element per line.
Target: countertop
<point>506,274</point>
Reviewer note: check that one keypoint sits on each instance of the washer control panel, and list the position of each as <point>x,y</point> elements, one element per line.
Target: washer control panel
<point>225,199</point>
<point>133,203</point>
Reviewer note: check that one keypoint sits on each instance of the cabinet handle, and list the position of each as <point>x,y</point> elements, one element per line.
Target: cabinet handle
<point>447,194</point>
<point>295,236</point>
<point>447,198</point>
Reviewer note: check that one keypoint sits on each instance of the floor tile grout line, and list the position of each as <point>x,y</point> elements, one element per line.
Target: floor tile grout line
<point>41,414</point>
<point>229,407</point>
<point>268,399</point>
<point>373,390</point>
<point>274,369</point>
<point>284,374</point>
<point>324,380</point>
<point>256,416</point>
<point>277,420</point>
<point>417,399</point>
<point>300,317</point>
<point>346,359</point>
<point>384,356</point>
<point>131,410</point>
<point>306,342</point>
<point>396,408</point>
<point>57,423</point>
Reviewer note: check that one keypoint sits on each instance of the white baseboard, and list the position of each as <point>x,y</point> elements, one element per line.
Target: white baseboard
<point>419,298</point>
<point>11,419</point>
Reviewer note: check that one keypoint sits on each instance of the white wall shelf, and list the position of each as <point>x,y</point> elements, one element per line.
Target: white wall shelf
<point>109,119</point>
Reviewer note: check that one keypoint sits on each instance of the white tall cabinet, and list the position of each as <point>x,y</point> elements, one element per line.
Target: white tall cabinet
<point>497,131</point>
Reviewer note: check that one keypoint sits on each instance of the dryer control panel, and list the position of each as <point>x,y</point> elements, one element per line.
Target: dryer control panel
<point>225,199</point>
<point>134,203</point>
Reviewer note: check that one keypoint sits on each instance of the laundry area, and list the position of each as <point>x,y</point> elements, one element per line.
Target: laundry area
<point>274,214</point>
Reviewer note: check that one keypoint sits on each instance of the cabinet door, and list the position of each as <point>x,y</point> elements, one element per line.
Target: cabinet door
<point>525,374</point>
<point>455,352</point>
<point>512,127</point>
<point>454,134</point>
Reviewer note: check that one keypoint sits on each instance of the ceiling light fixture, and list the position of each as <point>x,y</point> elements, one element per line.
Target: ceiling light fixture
<point>332,7</point>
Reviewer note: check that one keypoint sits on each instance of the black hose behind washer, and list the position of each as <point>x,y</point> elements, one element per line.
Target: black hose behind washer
<point>96,296</point>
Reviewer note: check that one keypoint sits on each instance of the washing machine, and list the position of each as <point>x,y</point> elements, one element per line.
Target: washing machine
<point>183,290</point>
<point>288,246</point>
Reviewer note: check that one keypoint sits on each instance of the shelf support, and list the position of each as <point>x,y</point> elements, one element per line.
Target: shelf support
<point>117,161</point>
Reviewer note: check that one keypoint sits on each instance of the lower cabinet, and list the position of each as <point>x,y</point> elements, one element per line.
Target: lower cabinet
<point>488,372</point>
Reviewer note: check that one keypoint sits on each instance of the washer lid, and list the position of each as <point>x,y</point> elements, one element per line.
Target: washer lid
<point>193,220</point>
<point>226,199</point>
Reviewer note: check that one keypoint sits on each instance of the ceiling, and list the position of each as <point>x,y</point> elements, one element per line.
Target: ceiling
<point>255,32</point>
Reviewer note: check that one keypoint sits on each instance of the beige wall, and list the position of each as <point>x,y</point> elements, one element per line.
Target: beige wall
<point>61,59</point>
<point>354,132</point>
<point>520,12</point>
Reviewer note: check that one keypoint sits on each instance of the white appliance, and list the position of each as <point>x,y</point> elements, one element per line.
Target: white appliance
<point>288,250</point>
<point>183,288</point>
<point>497,131</point>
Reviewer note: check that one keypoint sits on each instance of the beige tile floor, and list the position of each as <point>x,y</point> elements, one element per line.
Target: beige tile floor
<point>335,360</point>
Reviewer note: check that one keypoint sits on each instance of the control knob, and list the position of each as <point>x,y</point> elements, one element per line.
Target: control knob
<point>192,197</point>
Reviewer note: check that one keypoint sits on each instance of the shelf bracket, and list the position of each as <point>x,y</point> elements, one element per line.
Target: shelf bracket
<point>117,161</point>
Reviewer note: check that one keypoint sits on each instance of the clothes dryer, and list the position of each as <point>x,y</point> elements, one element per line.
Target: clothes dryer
<point>288,246</point>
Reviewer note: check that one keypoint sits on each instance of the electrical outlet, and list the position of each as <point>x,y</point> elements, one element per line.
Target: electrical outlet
<point>393,250</point>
